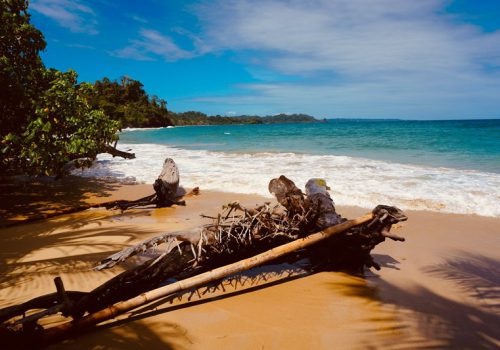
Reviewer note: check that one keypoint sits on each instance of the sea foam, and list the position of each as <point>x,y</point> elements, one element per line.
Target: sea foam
<point>354,181</point>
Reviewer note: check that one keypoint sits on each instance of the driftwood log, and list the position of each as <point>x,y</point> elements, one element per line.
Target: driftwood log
<point>117,153</point>
<point>165,187</point>
<point>166,194</point>
<point>199,280</point>
<point>236,239</point>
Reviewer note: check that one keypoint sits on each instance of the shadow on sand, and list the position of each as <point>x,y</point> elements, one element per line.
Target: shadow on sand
<point>439,320</point>
<point>25,197</point>
<point>75,243</point>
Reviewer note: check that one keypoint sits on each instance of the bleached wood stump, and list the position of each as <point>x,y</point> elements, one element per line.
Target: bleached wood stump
<point>167,184</point>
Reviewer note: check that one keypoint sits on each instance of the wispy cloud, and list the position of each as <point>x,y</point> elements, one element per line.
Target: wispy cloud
<point>73,15</point>
<point>382,57</point>
<point>152,45</point>
<point>81,46</point>
<point>139,19</point>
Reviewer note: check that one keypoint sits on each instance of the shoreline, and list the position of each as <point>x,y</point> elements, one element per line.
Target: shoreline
<point>356,181</point>
<point>439,288</point>
<point>21,203</point>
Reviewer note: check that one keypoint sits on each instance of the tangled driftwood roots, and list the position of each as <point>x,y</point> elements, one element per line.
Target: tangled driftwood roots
<point>238,238</point>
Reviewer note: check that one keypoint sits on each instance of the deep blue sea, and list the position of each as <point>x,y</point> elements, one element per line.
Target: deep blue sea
<point>451,166</point>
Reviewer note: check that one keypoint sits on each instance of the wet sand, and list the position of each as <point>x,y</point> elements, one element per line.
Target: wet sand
<point>440,288</point>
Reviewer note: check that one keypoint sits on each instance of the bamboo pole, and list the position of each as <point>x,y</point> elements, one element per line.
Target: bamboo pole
<point>57,332</point>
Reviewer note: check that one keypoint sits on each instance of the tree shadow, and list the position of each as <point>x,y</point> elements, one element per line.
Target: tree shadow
<point>458,325</point>
<point>71,244</point>
<point>478,276</point>
<point>131,336</point>
<point>245,282</point>
<point>23,197</point>
<point>440,320</point>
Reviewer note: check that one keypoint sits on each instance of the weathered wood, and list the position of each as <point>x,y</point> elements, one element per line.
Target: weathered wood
<point>132,282</point>
<point>171,238</point>
<point>165,187</point>
<point>317,193</point>
<point>43,302</point>
<point>288,195</point>
<point>167,184</point>
<point>235,235</point>
<point>117,153</point>
<point>309,215</point>
<point>56,332</point>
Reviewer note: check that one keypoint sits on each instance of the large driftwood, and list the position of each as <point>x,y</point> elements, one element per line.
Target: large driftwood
<point>236,234</point>
<point>57,332</point>
<point>228,240</point>
<point>317,193</point>
<point>167,184</point>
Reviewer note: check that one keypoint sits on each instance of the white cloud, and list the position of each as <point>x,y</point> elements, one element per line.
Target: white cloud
<point>81,46</point>
<point>394,57</point>
<point>139,19</point>
<point>73,15</point>
<point>151,45</point>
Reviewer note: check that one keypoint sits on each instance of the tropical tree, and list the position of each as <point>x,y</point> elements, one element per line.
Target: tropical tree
<point>64,127</point>
<point>46,119</point>
<point>127,102</point>
<point>21,67</point>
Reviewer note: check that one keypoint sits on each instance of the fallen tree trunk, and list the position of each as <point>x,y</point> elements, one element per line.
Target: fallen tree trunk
<point>167,184</point>
<point>65,329</point>
<point>236,235</point>
<point>117,153</point>
<point>165,187</point>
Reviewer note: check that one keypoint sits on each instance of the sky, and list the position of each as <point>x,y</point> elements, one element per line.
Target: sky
<point>425,59</point>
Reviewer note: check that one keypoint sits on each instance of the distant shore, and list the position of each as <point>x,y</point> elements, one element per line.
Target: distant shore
<point>436,289</point>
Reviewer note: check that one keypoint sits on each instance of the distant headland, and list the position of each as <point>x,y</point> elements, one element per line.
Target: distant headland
<point>198,118</point>
<point>126,101</point>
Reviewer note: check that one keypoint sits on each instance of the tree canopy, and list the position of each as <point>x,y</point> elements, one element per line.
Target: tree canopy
<point>49,119</point>
<point>21,68</point>
<point>126,101</point>
<point>198,118</point>
<point>46,119</point>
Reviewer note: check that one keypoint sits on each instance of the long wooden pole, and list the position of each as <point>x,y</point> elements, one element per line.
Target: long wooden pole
<point>57,332</point>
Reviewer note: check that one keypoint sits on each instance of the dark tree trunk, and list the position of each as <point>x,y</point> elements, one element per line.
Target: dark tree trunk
<point>117,153</point>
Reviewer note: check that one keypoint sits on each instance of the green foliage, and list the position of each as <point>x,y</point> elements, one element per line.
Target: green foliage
<point>127,102</point>
<point>46,120</point>
<point>20,65</point>
<point>198,118</point>
<point>64,127</point>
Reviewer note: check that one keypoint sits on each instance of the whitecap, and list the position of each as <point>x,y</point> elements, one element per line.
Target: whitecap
<point>354,181</point>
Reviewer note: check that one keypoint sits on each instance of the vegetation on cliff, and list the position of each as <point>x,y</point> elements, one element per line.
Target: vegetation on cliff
<point>126,102</point>
<point>198,118</point>
<point>49,119</point>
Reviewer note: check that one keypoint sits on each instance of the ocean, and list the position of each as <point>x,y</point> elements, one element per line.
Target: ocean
<point>447,166</point>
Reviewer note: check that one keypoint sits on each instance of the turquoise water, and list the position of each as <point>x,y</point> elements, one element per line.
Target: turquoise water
<point>465,144</point>
<point>448,166</point>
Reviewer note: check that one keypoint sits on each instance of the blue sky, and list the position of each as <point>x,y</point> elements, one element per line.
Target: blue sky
<point>425,59</point>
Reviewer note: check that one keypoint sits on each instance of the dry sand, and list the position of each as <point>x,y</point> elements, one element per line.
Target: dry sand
<point>440,288</point>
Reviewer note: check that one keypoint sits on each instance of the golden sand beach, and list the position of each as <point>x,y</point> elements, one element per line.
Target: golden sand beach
<point>439,289</point>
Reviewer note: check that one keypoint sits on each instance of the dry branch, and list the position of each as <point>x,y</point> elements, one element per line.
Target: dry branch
<point>117,153</point>
<point>237,239</point>
<point>55,333</point>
